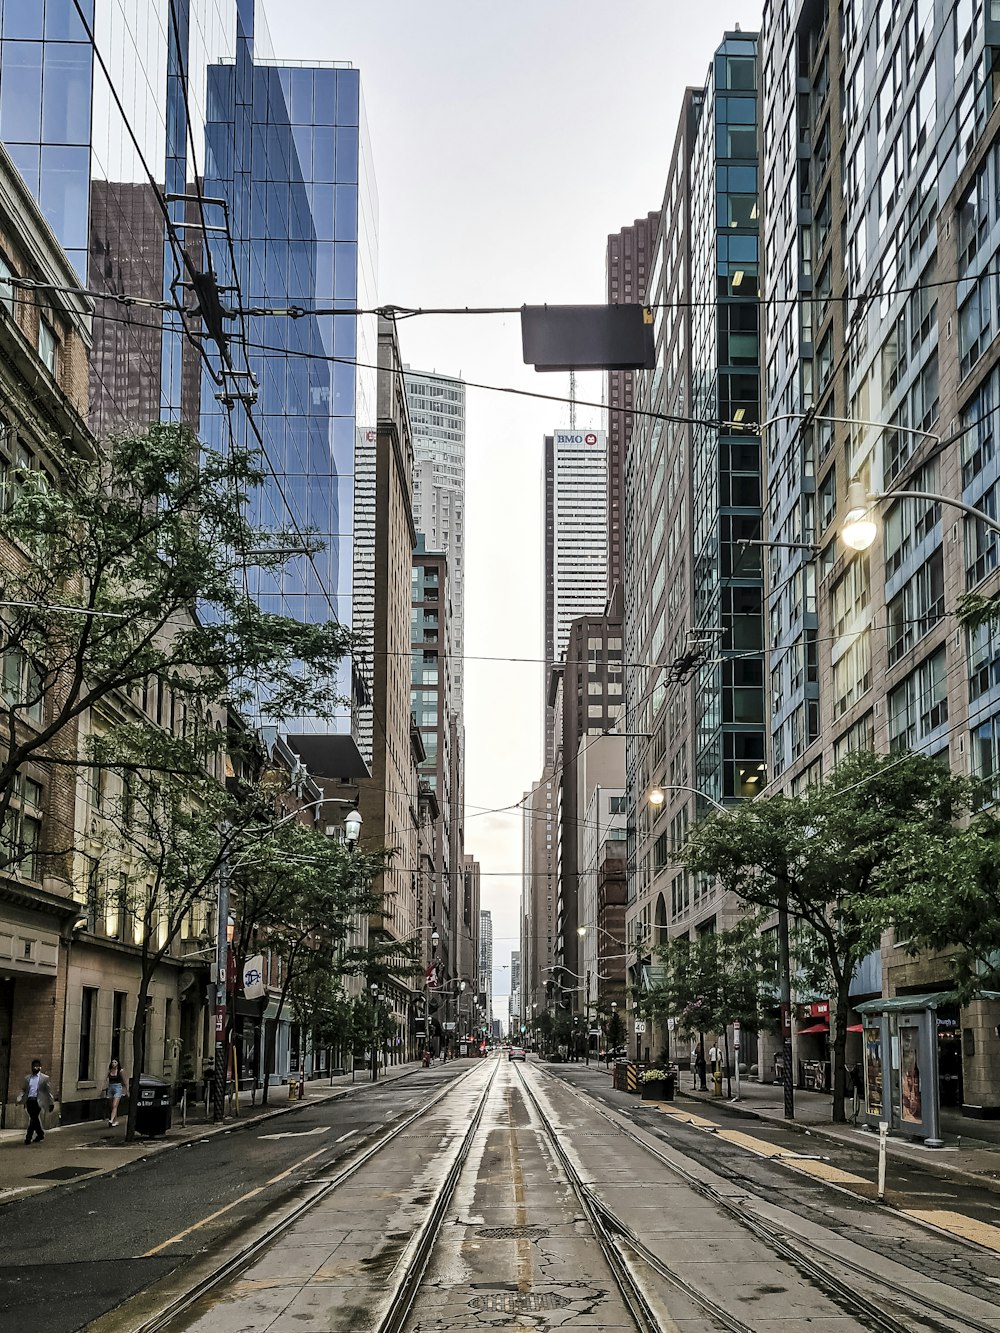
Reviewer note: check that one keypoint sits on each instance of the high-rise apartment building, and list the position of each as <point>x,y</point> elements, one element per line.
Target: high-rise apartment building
<point>575,505</point>
<point>880,196</point>
<point>432,705</point>
<point>437,410</point>
<point>586,694</point>
<point>626,270</point>
<point>693,592</point>
<point>539,844</point>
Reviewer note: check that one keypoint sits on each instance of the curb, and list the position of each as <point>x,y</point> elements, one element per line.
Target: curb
<point>208,1130</point>
<point>938,1168</point>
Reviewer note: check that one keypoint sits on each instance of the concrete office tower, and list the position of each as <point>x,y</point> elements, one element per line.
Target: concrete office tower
<point>486,964</point>
<point>575,503</point>
<point>470,883</point>
<point>881,202</point>
<point>437,410</point>
<point>287,148</point>
<point>693,594</point>
<point>626,269</point>
<point>539,843</point>
<point>514,1010</point>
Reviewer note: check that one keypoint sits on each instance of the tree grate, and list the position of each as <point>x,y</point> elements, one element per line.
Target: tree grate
<point>519,1302</point>
<point>512,1233</point>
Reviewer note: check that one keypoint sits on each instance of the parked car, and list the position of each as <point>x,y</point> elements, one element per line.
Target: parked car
<point>517,1053</point>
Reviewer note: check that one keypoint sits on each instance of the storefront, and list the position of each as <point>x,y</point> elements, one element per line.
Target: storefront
<point>814,1071</point>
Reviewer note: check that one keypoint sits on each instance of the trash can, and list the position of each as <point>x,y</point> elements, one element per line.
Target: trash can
<point>152,1114</point>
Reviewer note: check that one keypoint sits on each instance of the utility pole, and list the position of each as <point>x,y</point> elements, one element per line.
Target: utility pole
<point>785,996</point>
<point>586,1023</point>
<point>221,976</point>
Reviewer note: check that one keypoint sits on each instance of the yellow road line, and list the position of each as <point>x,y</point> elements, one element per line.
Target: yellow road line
<point>220,1212</point>
<point>968,1228</point>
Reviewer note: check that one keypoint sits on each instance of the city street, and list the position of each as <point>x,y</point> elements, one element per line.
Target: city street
<point>527,1196</point>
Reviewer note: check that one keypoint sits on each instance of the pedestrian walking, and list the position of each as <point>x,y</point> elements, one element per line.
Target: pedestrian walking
<point>694,1065</point>
<point>36,1094</point>
<point>700,1063</point>
<point>115,1087</point>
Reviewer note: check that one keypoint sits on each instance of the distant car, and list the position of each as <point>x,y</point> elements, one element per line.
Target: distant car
<point>517,1053</point>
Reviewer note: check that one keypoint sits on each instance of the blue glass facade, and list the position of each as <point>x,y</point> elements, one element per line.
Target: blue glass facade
<point>286,147</point>
<point>46,92</point>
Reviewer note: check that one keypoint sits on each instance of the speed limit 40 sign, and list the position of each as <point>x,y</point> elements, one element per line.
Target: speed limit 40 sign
<point>640,1026</point>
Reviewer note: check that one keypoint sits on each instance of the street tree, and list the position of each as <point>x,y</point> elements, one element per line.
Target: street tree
<point>129,575</point>
<point>943,893</point>
<point>718,979</point>
<point>824,855</point>
<point>298,895</point>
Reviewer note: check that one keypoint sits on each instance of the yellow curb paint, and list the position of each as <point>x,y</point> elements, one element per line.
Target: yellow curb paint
<point>759,1146</point>
<point>968,1228</point>
<point>824,1171</point>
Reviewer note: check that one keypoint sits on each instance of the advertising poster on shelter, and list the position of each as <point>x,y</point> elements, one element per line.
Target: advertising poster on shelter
<point>911,1102</point>
<point>873,1072</point>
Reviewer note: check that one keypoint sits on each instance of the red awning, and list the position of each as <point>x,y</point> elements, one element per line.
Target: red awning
<point>815,1030</point>
<point>856,1027</point>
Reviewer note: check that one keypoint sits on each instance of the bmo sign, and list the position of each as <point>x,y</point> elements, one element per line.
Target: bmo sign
<point>588,438</point>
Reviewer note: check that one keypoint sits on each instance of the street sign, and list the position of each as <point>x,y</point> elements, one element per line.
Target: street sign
<point>736,1036</point>
<point>640,1027</point>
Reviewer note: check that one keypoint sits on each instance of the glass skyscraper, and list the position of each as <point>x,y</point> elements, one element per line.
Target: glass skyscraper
<point>192,95</point>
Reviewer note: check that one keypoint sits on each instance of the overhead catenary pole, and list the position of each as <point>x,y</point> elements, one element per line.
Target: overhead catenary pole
<point>221,973</point>
<point>785,997</point>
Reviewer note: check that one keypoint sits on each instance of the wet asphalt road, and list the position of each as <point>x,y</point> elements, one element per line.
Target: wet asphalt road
<point>75,1252</point>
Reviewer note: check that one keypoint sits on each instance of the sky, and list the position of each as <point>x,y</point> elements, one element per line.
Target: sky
<point>508,141</point>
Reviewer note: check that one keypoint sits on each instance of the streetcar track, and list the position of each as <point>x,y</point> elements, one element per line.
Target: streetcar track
<point>787,1248</point>
<point>235,1264</point>
<point>422,1244</point>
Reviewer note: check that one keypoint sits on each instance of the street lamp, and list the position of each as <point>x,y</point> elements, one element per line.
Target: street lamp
<point>860,529</point>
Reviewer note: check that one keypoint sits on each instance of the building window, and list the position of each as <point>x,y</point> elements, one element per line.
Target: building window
<point>88,1021</point>
<point>47,345</point>
<point>919,705</point>
<point>6,286</point>
<point>916,608</point>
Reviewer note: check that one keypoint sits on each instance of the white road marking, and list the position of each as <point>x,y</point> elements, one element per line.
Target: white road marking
<point>298,1133</point>
<point>345,1136</point>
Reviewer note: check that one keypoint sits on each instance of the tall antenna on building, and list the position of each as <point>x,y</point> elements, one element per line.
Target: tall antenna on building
<point>572,400</point>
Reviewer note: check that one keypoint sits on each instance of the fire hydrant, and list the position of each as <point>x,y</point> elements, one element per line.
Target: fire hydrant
<point>293,1089</point>
<point>717,1081</point>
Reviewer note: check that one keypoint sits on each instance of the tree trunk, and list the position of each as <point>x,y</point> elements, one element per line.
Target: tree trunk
<point>840,1047</point>
<point>270,1048</point>
<point>729,1076</point>
<point>138,1054</point>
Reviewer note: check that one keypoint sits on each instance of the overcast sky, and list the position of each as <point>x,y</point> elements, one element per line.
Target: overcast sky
<point>508,140</point>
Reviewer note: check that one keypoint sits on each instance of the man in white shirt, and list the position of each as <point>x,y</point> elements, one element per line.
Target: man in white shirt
<point>36,1094</point>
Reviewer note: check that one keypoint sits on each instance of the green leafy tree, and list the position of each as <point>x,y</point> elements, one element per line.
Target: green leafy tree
<point>720,978</point>
<point>616,1030</point>
<point>824,856</point>
<point>297,893</point>
<point>944,894</point>
<point>128,568</point>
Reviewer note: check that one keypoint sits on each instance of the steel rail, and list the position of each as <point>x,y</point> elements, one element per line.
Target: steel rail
<point>599,1217</point>
<point>403,1298</point>
<point>801,1257</point>
<point>236,1263</point>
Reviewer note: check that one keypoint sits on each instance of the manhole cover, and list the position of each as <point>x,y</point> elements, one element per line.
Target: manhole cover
<point>519,1302</point>
<point>512,1233</point>
<point>64,1173</point>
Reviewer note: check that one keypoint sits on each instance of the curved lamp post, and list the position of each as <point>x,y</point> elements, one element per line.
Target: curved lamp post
<point>860,528</point>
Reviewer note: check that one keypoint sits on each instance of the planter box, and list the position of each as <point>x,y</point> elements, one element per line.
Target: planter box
<point>661,1090</point>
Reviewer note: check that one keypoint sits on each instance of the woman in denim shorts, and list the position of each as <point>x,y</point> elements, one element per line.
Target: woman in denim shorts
<point>115,1087</point>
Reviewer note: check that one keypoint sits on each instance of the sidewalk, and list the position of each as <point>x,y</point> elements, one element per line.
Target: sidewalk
<point>971,1151</point>
<point>93,1148</point>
